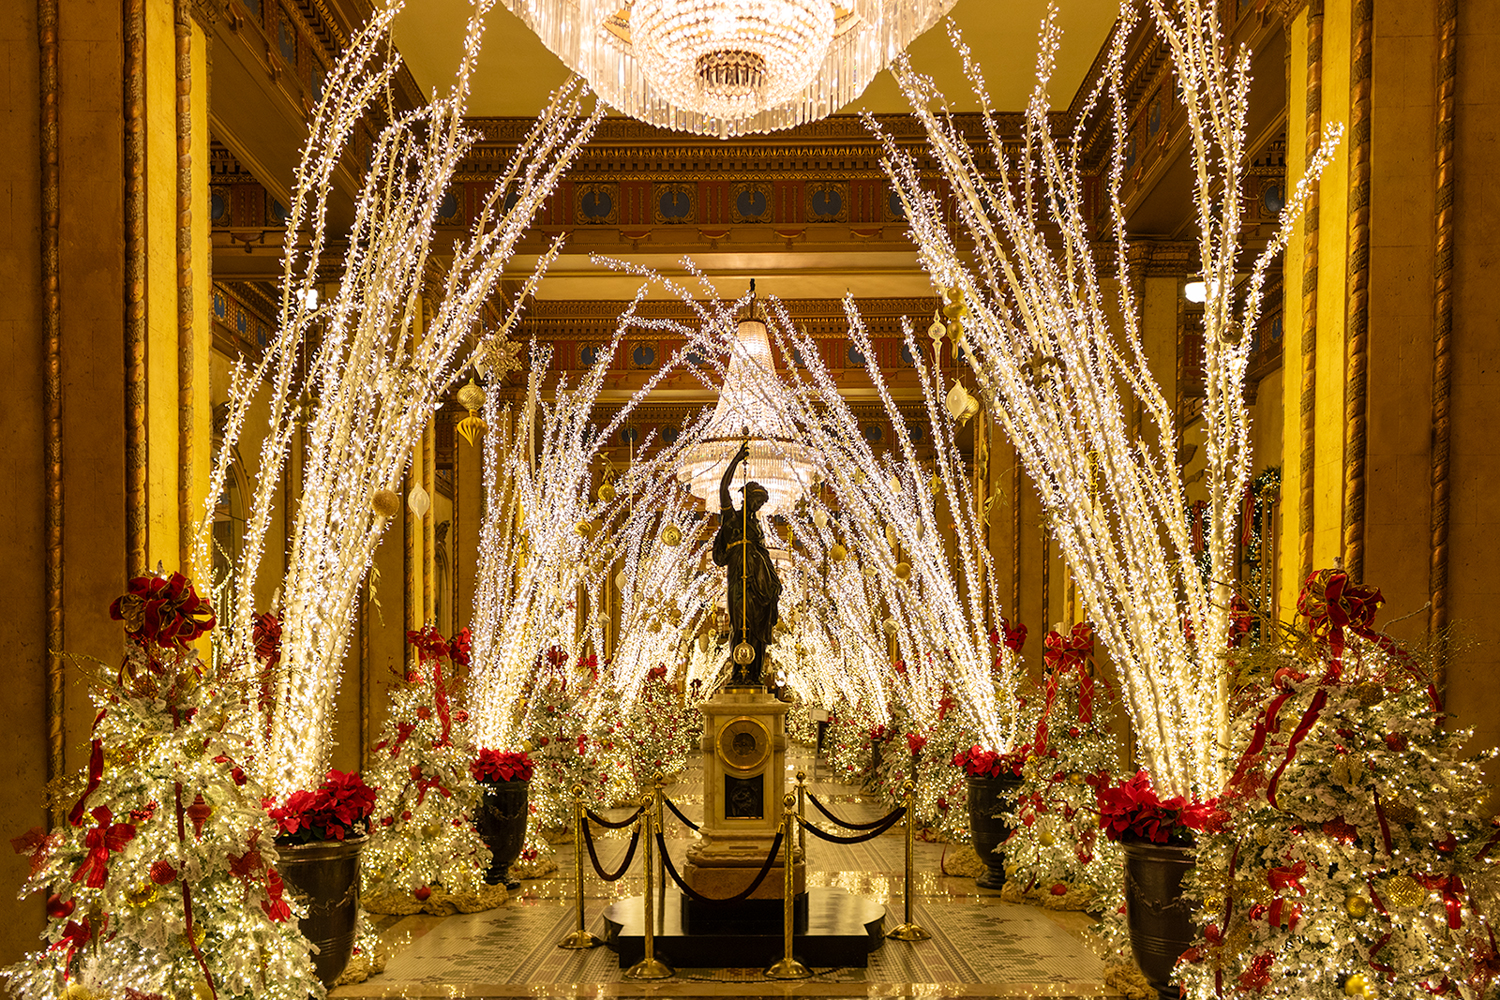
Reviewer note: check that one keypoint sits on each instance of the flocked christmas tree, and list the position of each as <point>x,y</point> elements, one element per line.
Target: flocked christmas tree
<point>1359,858</point>
<point>1056,852</point>
<point>162,878</point>
<point>422,838</point>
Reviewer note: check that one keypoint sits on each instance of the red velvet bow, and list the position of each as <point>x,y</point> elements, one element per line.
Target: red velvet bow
<point>1062,654</point>
<point>96,775</point>
<point>166,611</point>
<point>426,784</point>
<point>267,638</point>
<point>76,935</point>
<point>38,843</point>
<point>1452,888</point>
<point>104,839</point>
<point>1288,877</point>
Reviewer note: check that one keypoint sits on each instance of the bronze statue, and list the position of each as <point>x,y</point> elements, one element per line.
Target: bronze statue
<point>754,588</point>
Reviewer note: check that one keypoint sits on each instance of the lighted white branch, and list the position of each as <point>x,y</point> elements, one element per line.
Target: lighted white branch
<point>361,373</point>
<point>1064,379</point>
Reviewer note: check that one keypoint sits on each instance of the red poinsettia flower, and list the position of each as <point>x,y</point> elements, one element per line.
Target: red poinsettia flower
<point>163,611</point>
<point>495,766</point>
<point>339,808</point>
<point>978,762</point>
<point>1133,811</point>
<point>459,649</point>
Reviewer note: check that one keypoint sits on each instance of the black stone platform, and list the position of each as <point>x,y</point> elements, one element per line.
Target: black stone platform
<point>842,930</point>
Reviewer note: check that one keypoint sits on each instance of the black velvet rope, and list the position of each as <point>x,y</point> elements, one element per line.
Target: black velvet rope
<point>844,823</point>
<point>885,824</point>
<point>661,843</point>
<point>610,825</point>
<point>588,839</point>
<point>678,813</point>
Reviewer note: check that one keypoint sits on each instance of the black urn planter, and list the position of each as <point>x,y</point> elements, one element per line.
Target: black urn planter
<point>1159,918</point>
<point>501,822</point>
<point>324,877</point>
<point>988,799</point>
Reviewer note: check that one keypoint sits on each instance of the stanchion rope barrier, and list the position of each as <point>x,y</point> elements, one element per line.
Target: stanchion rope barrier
<point>610,824</point>
<point>884,825</point>
<point>678,813</point>
<point>844,823</point>
<point>588,840</point>
<point>661,843</point>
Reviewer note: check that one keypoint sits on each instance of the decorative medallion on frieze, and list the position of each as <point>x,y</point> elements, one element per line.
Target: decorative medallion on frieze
<point>828,202</point>
<point>672,203</point>
<point>597,204</point>
<point>449,211</point>
<point>894,210</point>
<point>643,354</point>
<point>751,202</point>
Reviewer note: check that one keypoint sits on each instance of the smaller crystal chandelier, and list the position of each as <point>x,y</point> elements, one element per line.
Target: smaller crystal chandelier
<point>728,67</point>
<point>778,460</point>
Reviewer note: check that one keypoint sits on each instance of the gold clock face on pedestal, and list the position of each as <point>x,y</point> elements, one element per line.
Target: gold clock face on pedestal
<point>744,744</point>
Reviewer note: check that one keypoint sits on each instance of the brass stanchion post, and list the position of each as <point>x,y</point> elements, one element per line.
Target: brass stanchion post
<point>787,967</point>
<point>580,938</point>
<point>802,810</point>
<point>649,967</point>
<point>910,930</point>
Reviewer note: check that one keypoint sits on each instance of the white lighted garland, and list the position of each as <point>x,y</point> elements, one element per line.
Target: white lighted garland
<point>364,370</point>
<point>1063,374</point>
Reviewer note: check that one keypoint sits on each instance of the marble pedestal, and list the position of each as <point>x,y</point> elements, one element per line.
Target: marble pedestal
<point>744,780</point>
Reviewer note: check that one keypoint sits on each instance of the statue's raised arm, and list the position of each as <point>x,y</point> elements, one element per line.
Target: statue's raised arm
<point>726,501</point>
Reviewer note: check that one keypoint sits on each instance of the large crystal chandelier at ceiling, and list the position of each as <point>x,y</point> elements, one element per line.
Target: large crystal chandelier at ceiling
<point>778,461</point>
<point>728,67</point>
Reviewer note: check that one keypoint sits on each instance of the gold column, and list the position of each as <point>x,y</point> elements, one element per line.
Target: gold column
<point>411,612</point>
<point>1310,222</point>
<point>182,30</point>
<point>135,287</point>
<point>429,520</point>
<point>1442,341</point>
<point>1357,329</point>
<point>51,386</point>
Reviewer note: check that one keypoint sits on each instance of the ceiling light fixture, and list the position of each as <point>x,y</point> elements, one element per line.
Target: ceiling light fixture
<point>728,67</point>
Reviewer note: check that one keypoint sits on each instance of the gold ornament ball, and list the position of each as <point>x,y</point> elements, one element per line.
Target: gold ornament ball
<point>671,535</point>
<point>606,492</point>
<point>1358,986</point>
<point>77,991</point>
<point>1403,890</point>
<point>744,654</point>
<point>838,553</point>
<point>903,571</point>
<point>1046,839</point>
<point>1356,905</point>
<point>471,397</point>
<point>585,528</point>
<point>385,503</point>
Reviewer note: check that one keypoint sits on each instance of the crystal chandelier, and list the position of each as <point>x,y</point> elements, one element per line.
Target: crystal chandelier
<point>728,67</point>
<point>777,461</point>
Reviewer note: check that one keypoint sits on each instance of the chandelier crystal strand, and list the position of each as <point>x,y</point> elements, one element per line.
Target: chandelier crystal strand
<point>777,461</point>
<point>373,376</point>
<point>728,67</point>
<point>1055,365</point>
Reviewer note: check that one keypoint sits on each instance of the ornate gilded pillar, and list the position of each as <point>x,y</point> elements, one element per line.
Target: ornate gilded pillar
<point>1442,338</point>
<point>1357,320</point>
<point>1307,423</point>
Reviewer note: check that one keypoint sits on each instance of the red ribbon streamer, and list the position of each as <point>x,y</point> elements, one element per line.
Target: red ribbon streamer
<point>1452,888</point>
<point>96,775</point>
<point>187,901</point>
<point>1062,654</point>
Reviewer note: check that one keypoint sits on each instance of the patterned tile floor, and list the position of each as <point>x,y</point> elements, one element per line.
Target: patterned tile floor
<point>981,947</point>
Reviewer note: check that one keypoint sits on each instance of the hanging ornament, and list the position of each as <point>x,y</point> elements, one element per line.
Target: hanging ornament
<point>1358,986</point>
<point>471,397</point>
<point>837,552</point>
<point>1356,905</point>
<point>903,571</point>
<point>935,485</point>
<point>744,653</point>
<point>890,626</point>
<point>621,580</point>
<point>419,501</point>
<point>385,503</point>
<point>937,331</point>
<point>820,518</point>
<point>586,528</point>
<point>671,536</point>
<point>890,536</point>
<point>606,491</point>
<point>1403,890</point>
<point>961,404</point>
<point>894,484</point>
<point>602,618</point>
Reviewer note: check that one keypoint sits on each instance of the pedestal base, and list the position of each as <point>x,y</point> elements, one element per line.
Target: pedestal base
<point>748,916</point>
<point>842,929</point>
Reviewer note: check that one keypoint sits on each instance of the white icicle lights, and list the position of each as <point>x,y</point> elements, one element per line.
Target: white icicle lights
<point>367,365</point>
<point>1064,376</point>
